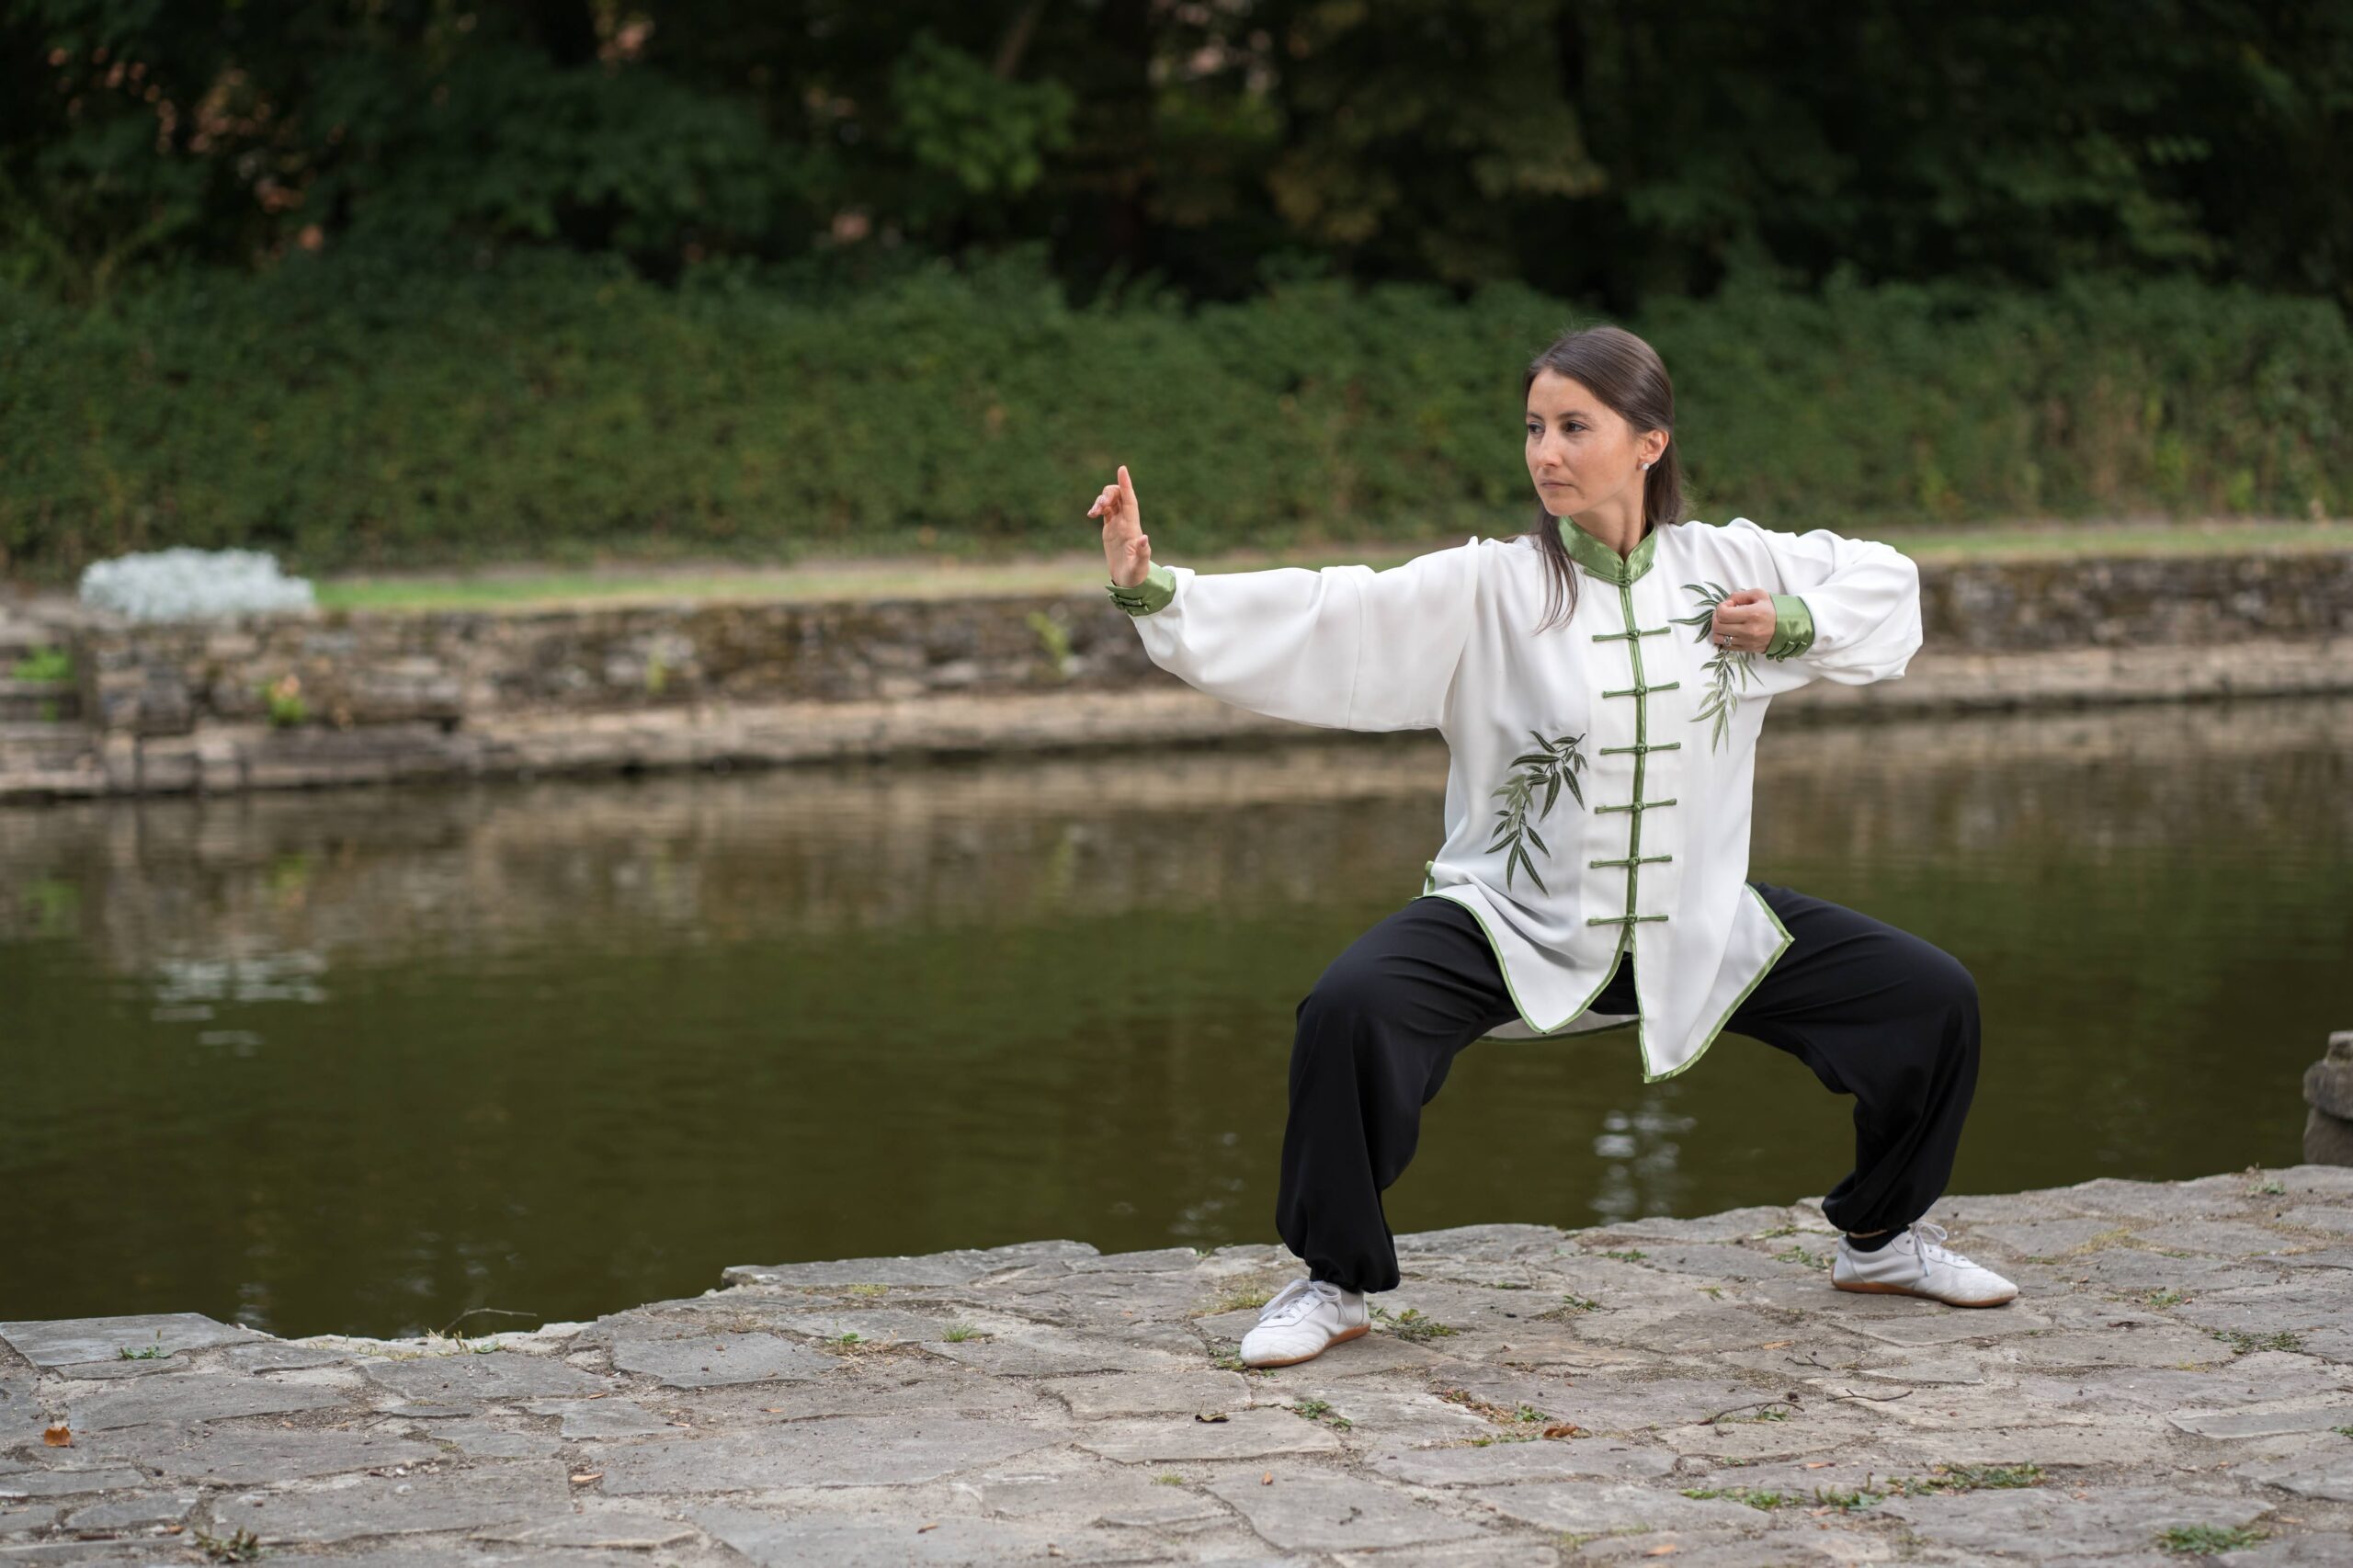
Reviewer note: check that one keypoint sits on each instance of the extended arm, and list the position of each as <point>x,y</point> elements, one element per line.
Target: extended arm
<point>1345,647</point>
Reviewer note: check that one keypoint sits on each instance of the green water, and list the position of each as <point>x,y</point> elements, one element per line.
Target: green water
<point>365,1060</point>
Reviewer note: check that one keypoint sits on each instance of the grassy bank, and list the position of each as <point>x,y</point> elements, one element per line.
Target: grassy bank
<point>933,577</point>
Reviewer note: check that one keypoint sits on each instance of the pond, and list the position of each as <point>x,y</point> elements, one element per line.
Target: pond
<point>366,1061</point>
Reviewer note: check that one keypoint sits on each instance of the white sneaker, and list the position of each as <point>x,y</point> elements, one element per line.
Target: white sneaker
<point>1302,1321</point>
<point>1914,1263</point>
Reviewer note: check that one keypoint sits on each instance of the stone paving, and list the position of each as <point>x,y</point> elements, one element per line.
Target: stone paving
<point>2175,1382</point>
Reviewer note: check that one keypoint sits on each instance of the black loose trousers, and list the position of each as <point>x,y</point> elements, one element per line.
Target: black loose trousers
<point>1876,1012</point>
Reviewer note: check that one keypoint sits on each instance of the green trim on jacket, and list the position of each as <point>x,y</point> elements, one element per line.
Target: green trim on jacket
<point>1792,628</point>
<point>1159,586</point>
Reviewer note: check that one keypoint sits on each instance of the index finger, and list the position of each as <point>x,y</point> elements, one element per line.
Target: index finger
<point>1126,488</point>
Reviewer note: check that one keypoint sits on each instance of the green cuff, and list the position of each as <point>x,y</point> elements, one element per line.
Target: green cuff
<point>1159,586</point>
<point>1793,627</point>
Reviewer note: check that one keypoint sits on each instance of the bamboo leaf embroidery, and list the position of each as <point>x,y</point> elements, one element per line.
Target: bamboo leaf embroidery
<point>1554,763</point>
<point>1728,665</point>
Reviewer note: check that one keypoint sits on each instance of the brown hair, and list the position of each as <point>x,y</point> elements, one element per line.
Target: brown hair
<point>1624,372</point>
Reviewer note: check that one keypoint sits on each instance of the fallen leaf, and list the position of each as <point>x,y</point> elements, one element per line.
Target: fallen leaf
<point>1267,1479</point>
<point>1564,1429</point>
<point>57,1437</point>
<point>1778,1345</point>
<point>771,1409</point>
<point>1819,1464</point>
<point>933,1526</point>
<point>582,1478</point>
<point>1666,1551</point>
<point>1210,1415</point>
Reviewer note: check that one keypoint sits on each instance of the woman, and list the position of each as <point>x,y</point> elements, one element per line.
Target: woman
<point>1596,815</point>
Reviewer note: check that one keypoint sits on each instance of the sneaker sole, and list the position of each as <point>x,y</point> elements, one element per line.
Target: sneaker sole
<point>1865,1288</point>
<point>1340,1338</point>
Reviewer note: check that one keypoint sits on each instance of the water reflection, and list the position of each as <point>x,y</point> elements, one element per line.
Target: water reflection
<point>364,1061</point>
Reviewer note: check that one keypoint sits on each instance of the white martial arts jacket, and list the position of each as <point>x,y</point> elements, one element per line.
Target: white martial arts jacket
<point>1597,797</point>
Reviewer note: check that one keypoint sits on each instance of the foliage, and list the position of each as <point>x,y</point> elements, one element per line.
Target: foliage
<point>241,1546</point>
<point>1756,1497</point>
<point>282,699</point>
<point>959,117</point>
<point>1586,147</point>
<point>43,664</point>
<point>1411,1324</point>
<point>347,412</point>
<point>1944,1479</point>
<point>2209,1541</point>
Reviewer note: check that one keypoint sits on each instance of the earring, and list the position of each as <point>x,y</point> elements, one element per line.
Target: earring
<point>1646,468</point>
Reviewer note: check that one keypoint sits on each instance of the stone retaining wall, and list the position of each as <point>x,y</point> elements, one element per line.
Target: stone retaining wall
<point>368,696</point>
<point>448,667</point>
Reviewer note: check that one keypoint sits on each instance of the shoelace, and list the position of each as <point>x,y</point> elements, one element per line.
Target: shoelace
<point>1927,1237</point>
<point>1296,1299</point>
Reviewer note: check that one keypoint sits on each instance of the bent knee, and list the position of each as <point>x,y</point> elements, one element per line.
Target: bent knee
<point>1944,984</point>
<point>1347,989</point>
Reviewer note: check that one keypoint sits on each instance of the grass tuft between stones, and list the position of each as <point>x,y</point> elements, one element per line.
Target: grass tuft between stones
<point>1755,1496</point>
<point>243,1547</point>
<point>1411,1324</point>
<point>1237,1300</point>
<point>2206,1541</point>
<point>1942,1478</point>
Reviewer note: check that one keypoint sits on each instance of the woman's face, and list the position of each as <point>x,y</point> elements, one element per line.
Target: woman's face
<point>1581,454</point>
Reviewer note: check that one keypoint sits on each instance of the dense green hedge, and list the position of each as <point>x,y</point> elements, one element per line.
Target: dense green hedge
<point>347,414</point>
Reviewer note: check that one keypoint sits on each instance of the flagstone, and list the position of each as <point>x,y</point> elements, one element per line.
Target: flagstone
<point>713,1360</point>
<point>2187,1359</point>
<point>845,1450</point>
<point>465,1376</point>
<point>62,1340</point>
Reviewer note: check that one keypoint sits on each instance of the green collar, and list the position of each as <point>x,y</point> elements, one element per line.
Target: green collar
<point>1603,561</point>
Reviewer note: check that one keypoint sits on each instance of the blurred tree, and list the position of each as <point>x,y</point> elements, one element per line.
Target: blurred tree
<point>1609,149</point>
